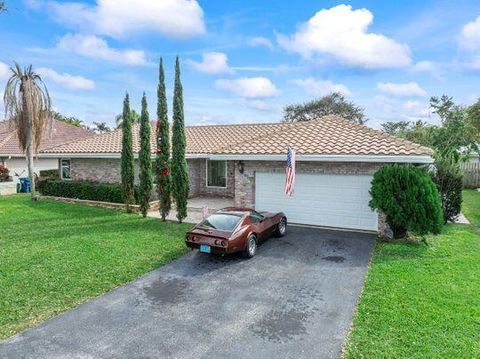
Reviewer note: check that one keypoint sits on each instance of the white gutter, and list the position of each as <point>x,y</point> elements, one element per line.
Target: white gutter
<point>313,158</point>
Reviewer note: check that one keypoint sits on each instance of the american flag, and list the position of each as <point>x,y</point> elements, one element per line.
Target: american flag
<point>290,171</point>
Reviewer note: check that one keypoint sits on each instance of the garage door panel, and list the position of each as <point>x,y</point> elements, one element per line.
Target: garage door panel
<point>319,199</point>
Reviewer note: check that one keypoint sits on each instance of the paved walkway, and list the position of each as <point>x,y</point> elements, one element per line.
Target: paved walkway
<point>195,208</point>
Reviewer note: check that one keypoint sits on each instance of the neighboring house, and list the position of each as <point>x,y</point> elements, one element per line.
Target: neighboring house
<point>336,160</point>
<point>12,156</point>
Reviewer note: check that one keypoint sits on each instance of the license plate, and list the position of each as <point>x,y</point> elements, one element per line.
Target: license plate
<point>205,249</point>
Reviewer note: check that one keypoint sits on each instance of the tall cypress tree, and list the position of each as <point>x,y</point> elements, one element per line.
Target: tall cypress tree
<point>127,163</point>
<point>162,165</point>
<point>145,157</point>
<point>179,163</point>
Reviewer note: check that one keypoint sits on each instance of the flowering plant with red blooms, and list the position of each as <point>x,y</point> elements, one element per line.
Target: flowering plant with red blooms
<point>4,174</point>
<point>158,122</point>
<point>165,171</point>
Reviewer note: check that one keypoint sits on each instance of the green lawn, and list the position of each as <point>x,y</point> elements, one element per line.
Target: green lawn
<point>471,205</point>
<point>54,256</point>
<point>423,301</point>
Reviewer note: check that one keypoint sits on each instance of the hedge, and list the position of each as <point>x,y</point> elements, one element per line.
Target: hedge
<point>49,174</point>
<point>104,192</point>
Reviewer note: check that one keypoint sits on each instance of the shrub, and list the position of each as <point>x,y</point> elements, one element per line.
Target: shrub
<point>49,174</point>
<point>447,176</point>
<point>409,199</point>
<point>104,192</point>
<point>4,174</point>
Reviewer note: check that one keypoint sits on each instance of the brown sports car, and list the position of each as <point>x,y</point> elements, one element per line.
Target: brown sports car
<point>233,230</point>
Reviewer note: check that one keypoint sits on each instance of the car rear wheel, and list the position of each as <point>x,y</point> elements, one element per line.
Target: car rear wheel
<point>251,247</point>
<point>281,228</point>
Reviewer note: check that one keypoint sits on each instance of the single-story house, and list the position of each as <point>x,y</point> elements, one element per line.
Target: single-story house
<point>12,156</point>
<point>336,160</point>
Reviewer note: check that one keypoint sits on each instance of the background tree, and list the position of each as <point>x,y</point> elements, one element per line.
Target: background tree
<point>145,157</point>
<point>459,129</point>
<point>473,123</point>
<point>332,104</point>
<point>162,165</point>
<point>100,127</point>
<point>134,117</point>
<point>416,131</point>
<point>70,120</point>
<point>28,109</point>
<point>447,176</point>
<point>180,184</point>
<point>127,164</point>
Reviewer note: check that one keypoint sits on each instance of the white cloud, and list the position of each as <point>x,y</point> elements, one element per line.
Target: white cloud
<point>429,67</point>
<point>381,108</point>
<point>259,105</point>
<point>4,71</point>
<point>66,80</point>
<point>175,18</point>
<point>470,35</point>
<point>248,87</point>
<point>212,63</point>
<point>261,41</point>
<point>97,48</point>
<point>408,89</point>
<point>474,63</point>
<point>416,109</point>
<point>342,32</point>
<point>321,88</point>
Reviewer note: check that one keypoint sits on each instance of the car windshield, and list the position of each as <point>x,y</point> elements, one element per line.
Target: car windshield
<point>221,221</point>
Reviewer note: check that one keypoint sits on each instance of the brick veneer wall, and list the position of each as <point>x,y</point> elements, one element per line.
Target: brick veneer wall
<point>245,183</point>
<point>108,170</point>
<point>97,169</point>
<point>194,176</point>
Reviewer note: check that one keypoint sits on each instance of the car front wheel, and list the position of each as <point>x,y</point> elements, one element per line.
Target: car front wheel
<point>251,247</point>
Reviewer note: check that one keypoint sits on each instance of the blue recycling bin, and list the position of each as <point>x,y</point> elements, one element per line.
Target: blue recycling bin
<point>25,183</point>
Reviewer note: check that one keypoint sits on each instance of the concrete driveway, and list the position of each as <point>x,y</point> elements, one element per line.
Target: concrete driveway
<point>294,299</point>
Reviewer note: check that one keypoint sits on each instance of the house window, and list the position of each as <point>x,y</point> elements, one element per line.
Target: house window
<point>65,168</point>
<point>216,173</point>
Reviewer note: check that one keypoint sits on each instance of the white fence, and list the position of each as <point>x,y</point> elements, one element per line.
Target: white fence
<point>471,174</point>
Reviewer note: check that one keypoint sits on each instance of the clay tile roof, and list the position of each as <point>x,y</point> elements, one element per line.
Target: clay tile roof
<point>327,135</point>
<point>61,133</point>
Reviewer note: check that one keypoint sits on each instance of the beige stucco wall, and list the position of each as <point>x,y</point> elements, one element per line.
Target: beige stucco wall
<point>19,164</point>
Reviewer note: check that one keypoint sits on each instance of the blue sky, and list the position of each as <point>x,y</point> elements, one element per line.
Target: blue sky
<point>243,61</point>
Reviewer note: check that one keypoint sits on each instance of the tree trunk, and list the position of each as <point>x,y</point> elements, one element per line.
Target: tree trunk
<point>28,141</point>
<point>28,136</point>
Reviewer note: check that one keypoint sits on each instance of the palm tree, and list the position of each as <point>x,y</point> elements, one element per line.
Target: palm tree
<point>28,109</point>
<point>134,116</point>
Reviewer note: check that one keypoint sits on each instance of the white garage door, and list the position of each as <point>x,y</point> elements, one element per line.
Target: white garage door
<point>319,199</point>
